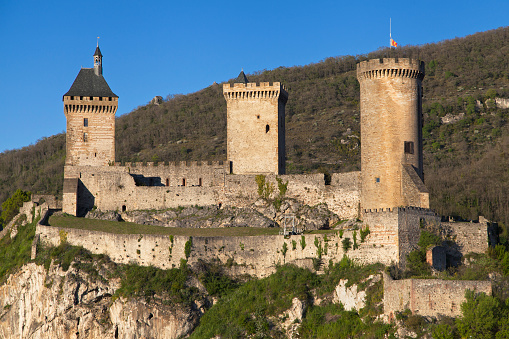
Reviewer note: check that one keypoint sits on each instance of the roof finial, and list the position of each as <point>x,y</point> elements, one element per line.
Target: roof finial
<point>97,41</point>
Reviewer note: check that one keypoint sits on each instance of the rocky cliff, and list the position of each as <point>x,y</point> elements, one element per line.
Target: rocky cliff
<point>39,303</point>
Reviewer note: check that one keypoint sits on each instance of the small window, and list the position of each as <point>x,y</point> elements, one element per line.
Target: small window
<point>167,182</point>
<point>81,98</point>
<point>91,98</point>
<point>85,122</point>
<point>258,116</point>
<point>377,179</point>
<point>100,98</point>
<point>109,98</point>
<point>183,181</point>
<point>267,128</point>
<point>409,147</point>
<point>85,137</point>
<point>124,208</point>
<point>199,182</point>
<point>72,97</point>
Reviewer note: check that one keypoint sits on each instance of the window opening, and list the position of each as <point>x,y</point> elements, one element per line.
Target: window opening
<point>124,208</point>
<point>85,137</point>
<point>409,147</point>
<point>267,128</point>
<point>377,179</point>
<point>167,182</point>
<point>199,182</point>
<point>183,181</point>
<point>85,122</point>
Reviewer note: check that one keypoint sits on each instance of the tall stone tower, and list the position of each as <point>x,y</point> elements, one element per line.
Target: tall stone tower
<point>255,126</point>
<point>90,108</point>
<point>391,132</point>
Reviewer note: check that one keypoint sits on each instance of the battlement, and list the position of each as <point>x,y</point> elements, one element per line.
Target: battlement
<point>390,67</point>
<point>396,210</point>
<point>251,90</point>
<point>171,164</point>
<point>85,104</point>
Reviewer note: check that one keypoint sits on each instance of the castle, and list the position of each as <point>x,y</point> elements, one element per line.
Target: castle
<point>388,195</point>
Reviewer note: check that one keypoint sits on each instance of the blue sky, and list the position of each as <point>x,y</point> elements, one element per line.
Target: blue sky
<point>168,47</point>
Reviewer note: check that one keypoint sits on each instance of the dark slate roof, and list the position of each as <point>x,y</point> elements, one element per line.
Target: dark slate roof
<point>98,52</point>
<point>88,84</point>
<point>241,79</point>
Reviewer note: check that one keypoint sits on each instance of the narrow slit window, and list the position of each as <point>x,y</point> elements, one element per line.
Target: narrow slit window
<point>183,181</point>
<point>409,147</point>
<point>267,128</point>
<point>85,122</point>
<point>199,182</point>
<point>85,137</point>
<point>167,182</point>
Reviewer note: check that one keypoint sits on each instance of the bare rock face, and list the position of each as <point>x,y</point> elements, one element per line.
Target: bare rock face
<point>351,297</point>
<point>35,303</point>
<point>157,100</point>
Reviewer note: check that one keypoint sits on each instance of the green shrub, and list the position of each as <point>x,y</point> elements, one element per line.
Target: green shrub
<point>187,247</point>
<point>347,244</point>
<point>302,242</point>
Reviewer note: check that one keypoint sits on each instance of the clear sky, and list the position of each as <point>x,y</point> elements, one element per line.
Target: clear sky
<point>169,47</point>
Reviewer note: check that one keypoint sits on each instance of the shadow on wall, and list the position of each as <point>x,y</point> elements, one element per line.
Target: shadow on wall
<point>86,200</point>
<point>141,180</point>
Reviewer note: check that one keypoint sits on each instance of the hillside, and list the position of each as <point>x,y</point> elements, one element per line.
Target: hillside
<point>465,160</point>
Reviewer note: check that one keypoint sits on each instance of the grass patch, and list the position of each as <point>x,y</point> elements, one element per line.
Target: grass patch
<point>132,228</point>
<point>245,312</point>
<point>16,252</point>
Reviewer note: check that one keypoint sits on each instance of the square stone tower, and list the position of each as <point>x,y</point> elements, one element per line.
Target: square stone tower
<point>391,130</point>
<point>255,126</point>
<point>90,108</point>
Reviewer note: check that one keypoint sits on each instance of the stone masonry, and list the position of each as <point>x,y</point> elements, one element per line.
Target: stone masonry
<point>391,130</point>
<point>256,127</point>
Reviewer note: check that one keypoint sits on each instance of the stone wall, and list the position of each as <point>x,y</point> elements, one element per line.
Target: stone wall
<point>398,228</point>
<point>470,236</point>
<point>428,297</point>
<point>254,255</point>
<point>138,186</point>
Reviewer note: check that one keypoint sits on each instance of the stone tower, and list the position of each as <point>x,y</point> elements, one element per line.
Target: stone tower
<point>391,131</point>
<point>90,108</point>
<point>255,126</point>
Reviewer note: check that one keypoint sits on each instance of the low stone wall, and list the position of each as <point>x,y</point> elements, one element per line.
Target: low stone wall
<point>254,255</point>
<point>428,297</point>
<point>470,236</point>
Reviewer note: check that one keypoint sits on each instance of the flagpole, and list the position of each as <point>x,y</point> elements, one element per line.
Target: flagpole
<point>390,32</point>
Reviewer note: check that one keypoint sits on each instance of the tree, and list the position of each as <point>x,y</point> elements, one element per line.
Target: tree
<point>10,207</point>
<point>480,316</point>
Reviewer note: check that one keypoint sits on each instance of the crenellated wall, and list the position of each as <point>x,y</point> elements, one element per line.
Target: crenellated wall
<point>147,186</point>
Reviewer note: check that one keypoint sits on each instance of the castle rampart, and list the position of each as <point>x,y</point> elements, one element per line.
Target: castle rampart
<point>254,255</point>
<point>428,297</point>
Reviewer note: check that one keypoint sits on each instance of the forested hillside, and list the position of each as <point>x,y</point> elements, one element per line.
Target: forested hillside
<point>465,161</point>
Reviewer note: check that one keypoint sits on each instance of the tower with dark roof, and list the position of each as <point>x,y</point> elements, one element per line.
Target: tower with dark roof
<point>90,108</point>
